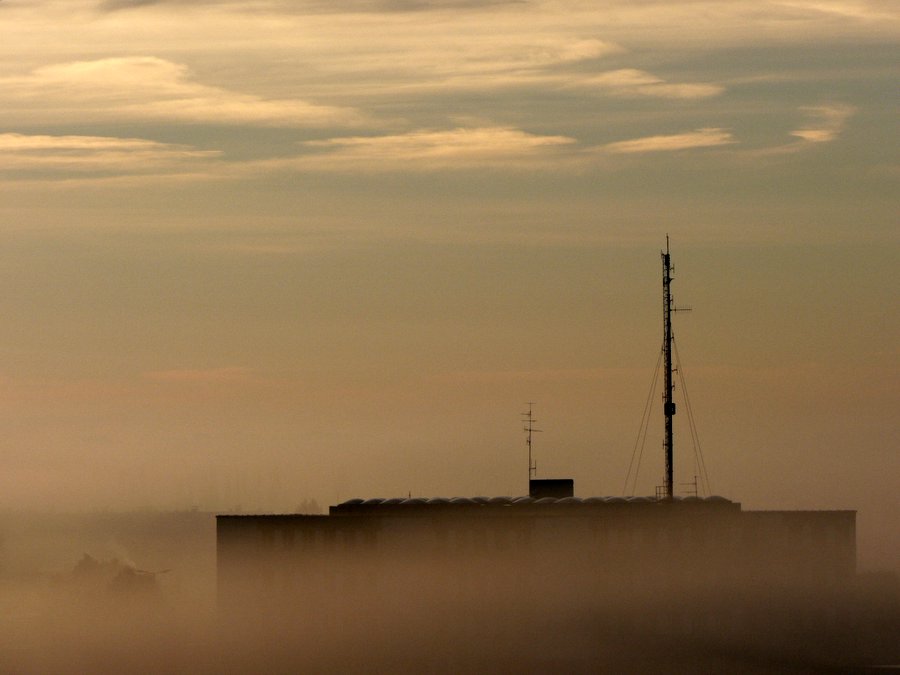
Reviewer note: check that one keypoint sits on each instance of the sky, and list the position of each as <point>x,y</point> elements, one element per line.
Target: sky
<point>263,252</point>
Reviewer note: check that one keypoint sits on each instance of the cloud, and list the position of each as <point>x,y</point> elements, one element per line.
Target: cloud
<point>871,10</point>
<point>149,88</point>
<point>20,153</point>
<point>475,59</point>
<point>620,10</point>
<point>432,149</point>
<point>75,159</point>
<point>471,148</point>
<point>701,138</point>
<point>826,124</point>
<point>636,83</point>
<point>318,6</point>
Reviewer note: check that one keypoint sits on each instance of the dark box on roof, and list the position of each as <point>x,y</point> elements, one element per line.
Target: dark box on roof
<point>557,488</point>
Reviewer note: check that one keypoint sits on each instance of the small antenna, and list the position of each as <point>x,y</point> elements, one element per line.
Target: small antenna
<point>530,430</point>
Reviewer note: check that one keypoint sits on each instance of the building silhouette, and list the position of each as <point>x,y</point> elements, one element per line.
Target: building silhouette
<point>464,584</point>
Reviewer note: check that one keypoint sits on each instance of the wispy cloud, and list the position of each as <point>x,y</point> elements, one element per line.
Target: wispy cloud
<point>701,138</point>
<point>826,123</point>
<point>623,10</point>
<point>76,159</point>
<point>474,59</point>
<point>872,10</point>
<point>637,83</point>
<point>467,148</point>
<point>67,154</point>
<point>432,149</point>
<point>317,6</point>
<point>149,88</point>
<point>549,73</point>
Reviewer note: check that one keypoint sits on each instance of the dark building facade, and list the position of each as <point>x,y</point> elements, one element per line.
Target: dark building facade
<point>562,582</point>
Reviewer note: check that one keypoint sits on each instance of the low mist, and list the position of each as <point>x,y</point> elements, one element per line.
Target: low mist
<point>138,592</point>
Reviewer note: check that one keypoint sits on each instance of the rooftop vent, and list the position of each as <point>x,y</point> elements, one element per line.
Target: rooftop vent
<point>558,488</point>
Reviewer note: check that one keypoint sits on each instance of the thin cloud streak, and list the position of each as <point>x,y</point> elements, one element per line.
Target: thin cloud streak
<point>828,121</point>
<point>701,138</point>
<point>623,10</point>
<point>623,83</point>
<point>438,59</point>
<point>149,88</point>
<point>23,142</point>
<point>460,148</point>
<point>432,149</point>
<point>317,6</point>
<point>94,153</point>
<point>630,82</point>
<point>860,10</point>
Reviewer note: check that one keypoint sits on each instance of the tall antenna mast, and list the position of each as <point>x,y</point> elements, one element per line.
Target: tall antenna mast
<point>669,405</point>
<point>528,419</point>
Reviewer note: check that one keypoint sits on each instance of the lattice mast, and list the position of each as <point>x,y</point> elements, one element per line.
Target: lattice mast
<point>669,403</point>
